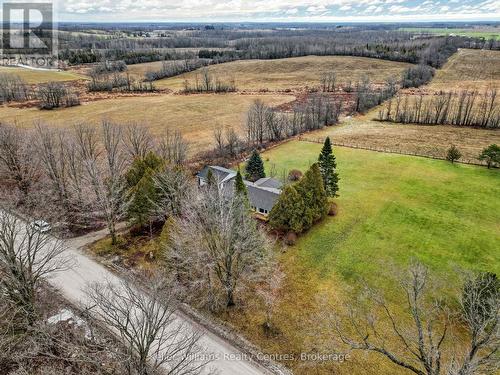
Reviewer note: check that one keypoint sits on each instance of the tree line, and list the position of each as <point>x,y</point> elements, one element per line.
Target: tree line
<point>50,95</point>
<point>463,108</point>
<point>205,81</point>
<point>77,177</point>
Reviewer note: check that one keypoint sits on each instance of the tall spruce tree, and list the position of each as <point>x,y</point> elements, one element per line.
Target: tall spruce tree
<point>239,185</point>
<point>288,212</point>
<point>142,192</point>
<point>328,168</point>
<point>312,191</point>
<point>255,167</point>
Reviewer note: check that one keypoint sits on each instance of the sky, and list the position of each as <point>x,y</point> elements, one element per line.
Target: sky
<point>276,10</point>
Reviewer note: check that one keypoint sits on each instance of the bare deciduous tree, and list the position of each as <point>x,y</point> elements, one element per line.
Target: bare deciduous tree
<point>173,190</point>
<point>269,292</point>
<point>480,304</point>
<point>217,245</point>
<point>420,347</point>
<point>173,148</point>
<point>17,157</point>
<point>148,325</point>
<point>26,256</point>
<point>138,140</point>
<point>104,165</point>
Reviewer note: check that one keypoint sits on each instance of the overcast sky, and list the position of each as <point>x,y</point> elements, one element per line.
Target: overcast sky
<point>277,10</point>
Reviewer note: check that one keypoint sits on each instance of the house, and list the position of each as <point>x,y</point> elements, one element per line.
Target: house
<point>262,193</point>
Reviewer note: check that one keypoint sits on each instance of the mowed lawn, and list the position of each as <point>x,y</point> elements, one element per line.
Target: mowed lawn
<point>33,76</point>
<point>195,116</point>
<point>392,209</point>
<point>293,73</point>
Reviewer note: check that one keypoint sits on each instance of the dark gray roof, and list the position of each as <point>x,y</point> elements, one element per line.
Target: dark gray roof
<point>269,182</point>
<point>262,197</point>
<point>220,173</point>
<point>262,194</point>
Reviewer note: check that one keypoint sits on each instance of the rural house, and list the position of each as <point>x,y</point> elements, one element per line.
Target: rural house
<point>262,193</point>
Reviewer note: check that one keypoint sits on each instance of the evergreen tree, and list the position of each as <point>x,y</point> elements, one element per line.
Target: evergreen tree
<point>491,155</point>
<point>328,167</point>
<point>453,154</point>
<point>142,191</point>
<point>255,167</point>
<point>239,185</point>
<point>288,212</point>
<point>143,195</point>
<point>312,191</point>
<point>139,166</point>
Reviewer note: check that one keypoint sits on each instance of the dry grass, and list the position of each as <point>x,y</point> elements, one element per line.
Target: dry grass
<point>40,76</point>
<point>138,71</point>
<point>195,115</point>
<point>294,73</point>
<point>420,140</point>
<point>469,68</point>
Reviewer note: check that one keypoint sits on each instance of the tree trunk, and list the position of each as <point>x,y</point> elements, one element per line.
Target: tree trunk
<point>230,298</point>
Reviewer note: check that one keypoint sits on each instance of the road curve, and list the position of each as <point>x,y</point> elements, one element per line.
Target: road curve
<point>73,281</point>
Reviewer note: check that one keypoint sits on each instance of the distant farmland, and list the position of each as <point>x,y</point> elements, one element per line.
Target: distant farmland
<point>33,76</point>
<point>195,115</point>
<point>487,32</point>
<point>293,73</point>
<point>469,68</point>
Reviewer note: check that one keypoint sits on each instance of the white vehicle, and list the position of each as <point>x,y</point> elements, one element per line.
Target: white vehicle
<point>41,226</point>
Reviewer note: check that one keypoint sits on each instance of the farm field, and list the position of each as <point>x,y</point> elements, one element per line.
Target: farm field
<point>487,32</point>
<point>392,209</point>
<point>139,70</point>
<point>293,73</point>
<point>364,132</point>
<point>194,115</point>
<point>475,69</point>
<point>32,76</point>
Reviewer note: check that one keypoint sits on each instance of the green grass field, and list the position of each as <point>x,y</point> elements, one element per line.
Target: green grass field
<point>487,33</point>
<point>395,207</point>
<point>392,209</point>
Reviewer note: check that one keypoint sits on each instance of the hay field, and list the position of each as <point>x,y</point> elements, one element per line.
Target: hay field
<point>32,76</point>
<point>194,115</point>
<point>293,73</point>
<point>138,71</point>
<point>475,69</point>
<point>416,139</point>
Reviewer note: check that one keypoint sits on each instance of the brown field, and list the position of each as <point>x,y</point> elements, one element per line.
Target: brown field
<point>476,69</point>
<point>139,70</point>
<point>40,76</point>
<point>293,73</point>
<point>422,140</point>
<point>194,115</point>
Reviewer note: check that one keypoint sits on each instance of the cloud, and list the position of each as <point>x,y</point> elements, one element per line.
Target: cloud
<point>274,10</point>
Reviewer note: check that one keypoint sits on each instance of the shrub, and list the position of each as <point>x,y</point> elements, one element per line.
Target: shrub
<point>291,238</point>
<point>453,154</point>
<point>491,155</point>
<point>294,175</point>
<point>333,209</point>
<point>416,76</point>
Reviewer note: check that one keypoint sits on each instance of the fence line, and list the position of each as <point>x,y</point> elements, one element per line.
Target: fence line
<point>390,151</point>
